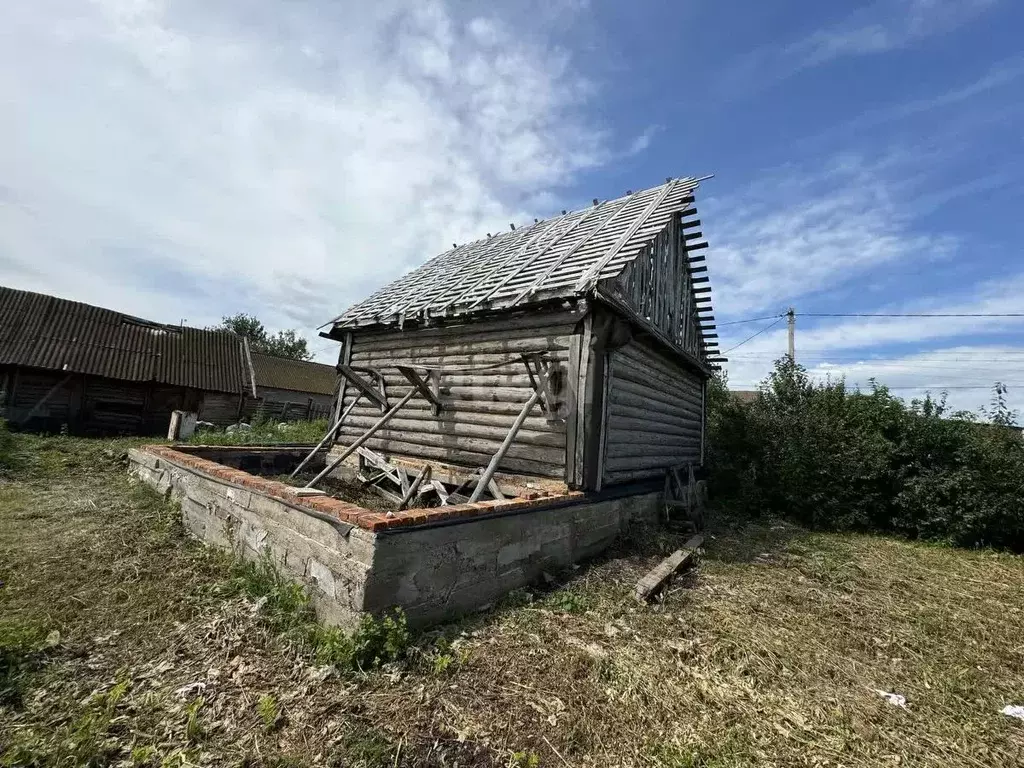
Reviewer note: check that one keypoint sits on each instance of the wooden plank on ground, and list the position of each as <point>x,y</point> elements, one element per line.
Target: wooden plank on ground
<point>679,559</point>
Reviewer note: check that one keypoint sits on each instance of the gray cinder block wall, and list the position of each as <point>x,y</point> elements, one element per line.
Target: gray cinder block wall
<point>434,571</point>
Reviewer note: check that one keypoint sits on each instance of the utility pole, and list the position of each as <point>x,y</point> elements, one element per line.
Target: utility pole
<point>791,322</point>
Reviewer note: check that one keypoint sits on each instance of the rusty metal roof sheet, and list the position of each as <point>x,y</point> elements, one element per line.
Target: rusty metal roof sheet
<point>562,257</point>
<point>41,331</point>
<point>298,375</point>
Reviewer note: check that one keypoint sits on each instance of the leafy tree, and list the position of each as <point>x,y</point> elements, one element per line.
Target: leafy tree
<point>281,344</point>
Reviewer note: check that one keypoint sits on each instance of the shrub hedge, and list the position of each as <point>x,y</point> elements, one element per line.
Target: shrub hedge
<point>843,460</point>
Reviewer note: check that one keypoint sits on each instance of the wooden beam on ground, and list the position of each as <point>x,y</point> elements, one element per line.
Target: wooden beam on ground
<point>369,391</point>
<point>377,461</point>
<point>429,394</point>
<point>679,559</point>
<point>424,475</point>
<point>442,492</point>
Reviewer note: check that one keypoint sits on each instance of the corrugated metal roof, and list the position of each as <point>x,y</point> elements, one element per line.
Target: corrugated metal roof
<point>41,331</point>
<point>560,257</point>
<point>298,375</point>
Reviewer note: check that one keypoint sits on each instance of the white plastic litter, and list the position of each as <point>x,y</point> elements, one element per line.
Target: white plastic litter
<point>187,691</point>
<point>896,699</point>
<point>1013,710</point>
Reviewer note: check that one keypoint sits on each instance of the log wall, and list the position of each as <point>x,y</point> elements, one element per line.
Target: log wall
<point>478,406</point>
<point>653,415</point>
<point>51,401</point>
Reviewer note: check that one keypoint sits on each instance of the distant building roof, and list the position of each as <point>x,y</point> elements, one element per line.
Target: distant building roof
<point>561,257</point>
<point>745,395</point>
<point>298,375</point>
<point>41,331</point>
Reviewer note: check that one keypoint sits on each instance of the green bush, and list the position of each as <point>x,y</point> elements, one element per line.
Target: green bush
<point>868,461</point>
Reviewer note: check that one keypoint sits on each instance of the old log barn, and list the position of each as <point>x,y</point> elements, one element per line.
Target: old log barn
<point>570,354</point>
<point>290,390</point>
<point>73,366</point>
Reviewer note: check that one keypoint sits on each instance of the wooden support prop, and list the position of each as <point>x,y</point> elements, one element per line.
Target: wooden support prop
<point>366,388</point>
<point>654,579</point>
<point>328,437</point>
<point>362,438</point>
<point>540,380</point>
<point>492,467</point>
<point>442,492</point>
<point>423,476</point>
<point>429,393</point>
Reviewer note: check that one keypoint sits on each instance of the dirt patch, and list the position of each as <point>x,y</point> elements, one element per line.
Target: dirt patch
<point>352,491</point>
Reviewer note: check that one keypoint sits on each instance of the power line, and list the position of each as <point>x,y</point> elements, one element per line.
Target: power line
<point>910,314</point>
<point>754,336</point>
<point>749,320</point>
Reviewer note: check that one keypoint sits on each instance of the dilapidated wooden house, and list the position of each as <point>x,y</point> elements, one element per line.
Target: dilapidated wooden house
<point>571,353</point>
<point>70,366</point>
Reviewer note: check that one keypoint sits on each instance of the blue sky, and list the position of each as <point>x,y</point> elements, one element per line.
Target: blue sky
<point>192,159</point>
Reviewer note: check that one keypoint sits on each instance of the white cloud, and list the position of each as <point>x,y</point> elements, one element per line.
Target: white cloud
<point>794,232</point>
<point>189,160</point>
<point>883,26</point>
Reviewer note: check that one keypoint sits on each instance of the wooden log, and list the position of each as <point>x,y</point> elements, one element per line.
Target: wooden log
<point>460,456</point>
<point>476,360</point>
<point>442,492</point>
<point>425,390</point>
<point>642,356</point>
<point>368,390</point>
<point>492,466</point>
<point>456,428</point>
<point>362,439</point>
<point>654,450</point>
<point>637,430</point>
<point>648,382</point>
<point>656,578</point>
<point>673,421</point>
<point>423,476</point>
<point>520,329</point>
<point>636,367</point>
<point>331,433</point>
<point>458,413</point>
<point>553,456</point>
<point>632,463</point>
<point>637,395</point>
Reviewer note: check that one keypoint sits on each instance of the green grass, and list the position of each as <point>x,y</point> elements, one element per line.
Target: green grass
<point>265,433</point>
<point>123,643</point>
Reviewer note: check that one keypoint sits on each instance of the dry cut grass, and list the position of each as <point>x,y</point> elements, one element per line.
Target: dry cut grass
<point>125,644</point>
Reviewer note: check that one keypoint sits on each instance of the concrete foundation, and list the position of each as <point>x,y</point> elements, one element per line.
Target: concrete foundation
<point>434,563</point>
